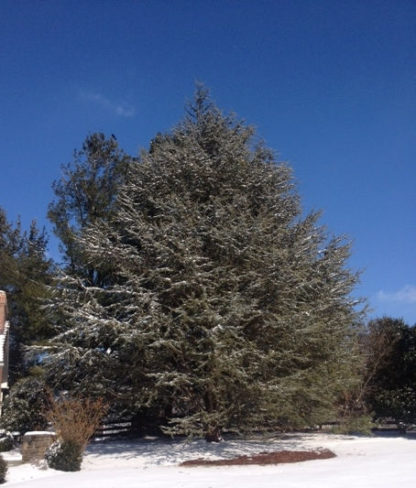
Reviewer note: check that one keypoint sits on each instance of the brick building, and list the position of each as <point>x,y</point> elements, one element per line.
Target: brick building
<point>4,345</point>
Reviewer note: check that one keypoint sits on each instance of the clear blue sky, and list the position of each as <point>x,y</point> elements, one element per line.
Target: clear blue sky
<point>330,85</point>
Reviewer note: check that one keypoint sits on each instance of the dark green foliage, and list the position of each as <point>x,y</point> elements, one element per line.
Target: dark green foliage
<point>391,389</point>
<point>64,456</point>
<point>25,406</point>
<point>86,194</point>
<point>3,470</point>
<point>355,425</point>
<point>6,443</point>
<point>226,308</point>
<point>25,274</point>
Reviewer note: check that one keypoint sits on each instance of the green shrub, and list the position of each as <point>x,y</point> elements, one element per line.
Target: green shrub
<point>64,456</point>
<point>24,407</point>
<point>3,470</point>
<point>6,443</point>
<point>355,425</point>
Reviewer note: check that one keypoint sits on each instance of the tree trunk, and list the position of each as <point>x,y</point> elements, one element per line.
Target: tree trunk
<point>213,435</point>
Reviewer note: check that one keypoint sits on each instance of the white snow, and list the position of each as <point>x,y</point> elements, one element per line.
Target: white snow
<point>361,462</point>
<point>39,432</point>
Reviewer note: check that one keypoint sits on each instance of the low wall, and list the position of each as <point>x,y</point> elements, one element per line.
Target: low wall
<point>35,444</point>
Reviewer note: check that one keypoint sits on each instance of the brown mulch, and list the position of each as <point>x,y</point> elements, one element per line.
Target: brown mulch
<point>263,458</point>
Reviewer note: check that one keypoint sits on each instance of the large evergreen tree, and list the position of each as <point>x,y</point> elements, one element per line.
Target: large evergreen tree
<point>226,308</point>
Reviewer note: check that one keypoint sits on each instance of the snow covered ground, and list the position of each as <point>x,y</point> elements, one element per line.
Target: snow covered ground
<point>361,462</point>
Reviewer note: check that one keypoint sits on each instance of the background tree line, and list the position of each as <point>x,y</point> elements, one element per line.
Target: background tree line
<point>194,293</point>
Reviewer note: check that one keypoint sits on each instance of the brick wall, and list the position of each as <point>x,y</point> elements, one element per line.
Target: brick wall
<point>3,310</point>
<point>35,445</point>
<point>4,346</point>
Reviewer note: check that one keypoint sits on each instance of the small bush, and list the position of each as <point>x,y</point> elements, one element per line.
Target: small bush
<point>355,425</point>
<point>6,443</point>
<point>75,420</point>
<point>64,456</point>
<point>24,407</point>
<point>3,470</point>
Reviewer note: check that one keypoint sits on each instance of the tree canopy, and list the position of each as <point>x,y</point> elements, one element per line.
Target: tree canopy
<point>391,388</point>
<point>227,308</point>
<point>25,274</point>
<point>86,193</point>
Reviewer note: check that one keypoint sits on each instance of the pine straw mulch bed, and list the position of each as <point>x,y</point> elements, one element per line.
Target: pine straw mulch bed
<point>263,458</point>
